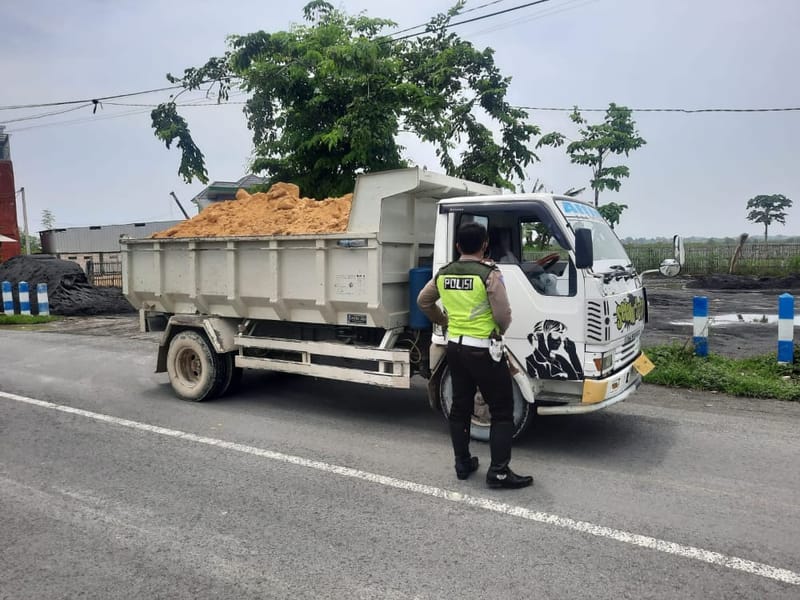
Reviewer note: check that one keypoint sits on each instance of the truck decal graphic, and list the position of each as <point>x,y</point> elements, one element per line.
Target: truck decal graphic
<point>554,355</point>
<point>629,312</point>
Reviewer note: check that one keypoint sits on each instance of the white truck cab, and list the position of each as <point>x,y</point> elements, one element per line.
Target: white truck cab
<point>578,312</point>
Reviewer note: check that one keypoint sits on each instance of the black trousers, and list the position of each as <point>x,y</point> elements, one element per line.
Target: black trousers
<point>471,369</point>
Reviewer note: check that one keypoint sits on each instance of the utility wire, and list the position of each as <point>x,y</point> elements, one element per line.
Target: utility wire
<point>90,100</point>
<point>463,12</point>
<point>478,18</point>
<point>47,114</point>
<point>669,110</point>
<point>568,5</point>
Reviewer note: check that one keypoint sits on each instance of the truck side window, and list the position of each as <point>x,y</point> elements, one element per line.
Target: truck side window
<point>546,261</point>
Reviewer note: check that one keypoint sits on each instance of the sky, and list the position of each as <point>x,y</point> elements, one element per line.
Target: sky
<point>693,177</point>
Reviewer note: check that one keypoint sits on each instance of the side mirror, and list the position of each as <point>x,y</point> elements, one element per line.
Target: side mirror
<point>670,268</point>
<point>584,251</point>
<point>678,250</point>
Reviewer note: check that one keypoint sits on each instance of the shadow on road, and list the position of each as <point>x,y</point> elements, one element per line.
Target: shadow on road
<point>615,438</point>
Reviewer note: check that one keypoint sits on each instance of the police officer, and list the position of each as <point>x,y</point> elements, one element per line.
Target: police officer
<point>477,309</point>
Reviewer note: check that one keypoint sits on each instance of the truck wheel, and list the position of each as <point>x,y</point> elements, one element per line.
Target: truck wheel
<point>233,374</point>
<point>196,371</point>
<point>481,418</point>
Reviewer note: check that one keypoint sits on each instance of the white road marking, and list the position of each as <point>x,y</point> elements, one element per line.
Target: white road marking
<point>707,556</point>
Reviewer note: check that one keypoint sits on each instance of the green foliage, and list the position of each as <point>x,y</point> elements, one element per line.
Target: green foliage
<point>768,209</point>
<point>26,319</point>
<point>615,135</point>
<point>759,377</point>
<point>48,219</point>
<point>169,126</point>
<point>36,245</point>
<point>611,212</point>
<point>328,98</point>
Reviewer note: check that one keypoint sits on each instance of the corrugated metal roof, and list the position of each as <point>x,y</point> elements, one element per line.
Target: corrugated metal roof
<point>97,238</point>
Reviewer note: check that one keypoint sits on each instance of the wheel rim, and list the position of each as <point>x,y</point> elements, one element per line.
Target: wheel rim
<point>480,410</point>
<point>481,417</point>
<point>188,366</point>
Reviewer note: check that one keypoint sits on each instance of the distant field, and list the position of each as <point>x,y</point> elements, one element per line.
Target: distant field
<point>757,259</point>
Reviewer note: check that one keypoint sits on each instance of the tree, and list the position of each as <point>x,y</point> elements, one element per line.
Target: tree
<point>35,243</point>
<point>48,219</point>
<point>768,209</point>
<point>611,212</point>
<point>615,135</point>
<point>328,98</point>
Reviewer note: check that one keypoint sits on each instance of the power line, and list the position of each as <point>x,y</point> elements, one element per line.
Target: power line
<point>669,110</point>
<point>47,114</point>
<point>478,18</point>
<point>140,110</point>
<point>534,17</point>
<point>463,12</point>
<point>90,100</point>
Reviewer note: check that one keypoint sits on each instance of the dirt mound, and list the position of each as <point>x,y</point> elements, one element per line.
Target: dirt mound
<point>68,290</point>
<point>279,211</point>
<point>742,282</point>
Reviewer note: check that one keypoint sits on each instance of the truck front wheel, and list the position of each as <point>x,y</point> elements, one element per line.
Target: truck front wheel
<point>196,371</point>
<point>481,418</point>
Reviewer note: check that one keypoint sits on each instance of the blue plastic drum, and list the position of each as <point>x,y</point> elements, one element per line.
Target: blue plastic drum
<point>417,278</point>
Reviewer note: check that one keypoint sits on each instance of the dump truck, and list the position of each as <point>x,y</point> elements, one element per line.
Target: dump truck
<point>342,305</point>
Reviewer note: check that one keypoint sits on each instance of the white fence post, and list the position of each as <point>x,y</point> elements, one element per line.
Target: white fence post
<point>42,299</point>
<point>785,328</point>
<point>8,299</point>
<point>24,298</point>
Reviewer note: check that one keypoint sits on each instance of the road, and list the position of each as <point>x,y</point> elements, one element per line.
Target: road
<point>112,488</point>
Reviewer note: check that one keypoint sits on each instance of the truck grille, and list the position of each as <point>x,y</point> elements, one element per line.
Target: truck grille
<point>626,353</point>
<point>597,324</point>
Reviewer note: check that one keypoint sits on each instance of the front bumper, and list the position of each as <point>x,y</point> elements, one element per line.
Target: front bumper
<point>583,408</point>
<point>598,393</point>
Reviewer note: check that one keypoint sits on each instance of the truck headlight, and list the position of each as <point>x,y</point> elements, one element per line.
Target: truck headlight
<point>604,362</point>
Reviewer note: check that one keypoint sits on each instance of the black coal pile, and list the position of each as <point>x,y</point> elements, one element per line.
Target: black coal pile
<point>68,289</point>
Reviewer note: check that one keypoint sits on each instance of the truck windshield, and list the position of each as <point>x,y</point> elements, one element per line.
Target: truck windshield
<point>609,253</point>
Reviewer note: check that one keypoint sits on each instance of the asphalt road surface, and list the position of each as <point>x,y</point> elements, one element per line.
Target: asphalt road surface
<point>110,487</point>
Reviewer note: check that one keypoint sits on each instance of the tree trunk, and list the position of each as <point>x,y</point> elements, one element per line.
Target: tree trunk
<point>765,232</point>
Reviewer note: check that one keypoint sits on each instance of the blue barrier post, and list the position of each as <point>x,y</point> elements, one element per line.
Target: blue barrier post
<point>700,313</point>
<point>8,299</point>
<point>42,299</point>
<point>785,328</point>
<point>24,298</point>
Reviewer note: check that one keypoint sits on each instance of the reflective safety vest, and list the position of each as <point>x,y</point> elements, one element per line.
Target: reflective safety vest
<point>462,288</point>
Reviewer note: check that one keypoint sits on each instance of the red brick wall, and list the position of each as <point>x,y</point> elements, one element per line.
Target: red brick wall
<point>8,211</point>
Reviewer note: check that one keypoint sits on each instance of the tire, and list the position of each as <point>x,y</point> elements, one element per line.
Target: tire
<point>195,370</point>
<point>479,430</point>
<point>233,375</point>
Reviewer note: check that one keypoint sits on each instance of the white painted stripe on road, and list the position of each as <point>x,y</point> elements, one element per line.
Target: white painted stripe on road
<point>643,541</point>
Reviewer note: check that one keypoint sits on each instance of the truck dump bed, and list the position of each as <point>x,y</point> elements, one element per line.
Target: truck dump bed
<point>357,277</point>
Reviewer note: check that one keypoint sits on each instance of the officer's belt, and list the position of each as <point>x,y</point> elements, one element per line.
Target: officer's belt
<point>467,340</point>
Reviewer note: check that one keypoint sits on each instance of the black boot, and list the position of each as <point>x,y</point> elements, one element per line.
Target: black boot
<point>500,474</point>
<point>465,464</point>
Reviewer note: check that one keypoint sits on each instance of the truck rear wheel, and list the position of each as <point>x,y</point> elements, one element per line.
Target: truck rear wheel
<point>481,418</point>
<point>196,371</point>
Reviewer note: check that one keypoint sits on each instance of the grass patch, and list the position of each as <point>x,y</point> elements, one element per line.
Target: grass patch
<point>26,319</point>
<point>757,377</point>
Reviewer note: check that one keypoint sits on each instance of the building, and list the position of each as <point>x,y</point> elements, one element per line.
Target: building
<point>97,243</point>
<point>219,191</point>
<point>8,201</point>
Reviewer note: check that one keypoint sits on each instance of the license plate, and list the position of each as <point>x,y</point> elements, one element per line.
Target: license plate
<point>643,365</point>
